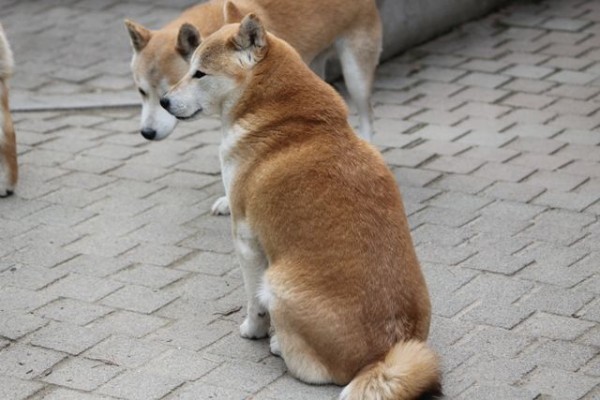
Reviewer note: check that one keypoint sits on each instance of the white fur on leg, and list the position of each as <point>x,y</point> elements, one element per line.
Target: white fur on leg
<point>254,264</point>
<point>5,187</point>
<point>220,206</point>
<point>275,347</point>
<point>357,78</point>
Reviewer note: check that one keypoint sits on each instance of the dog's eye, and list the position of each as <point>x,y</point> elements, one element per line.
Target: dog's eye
<point>144,94</point>
<point>198,74</point>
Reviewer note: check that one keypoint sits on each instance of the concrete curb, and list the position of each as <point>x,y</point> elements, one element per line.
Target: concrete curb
<point>407,23</point>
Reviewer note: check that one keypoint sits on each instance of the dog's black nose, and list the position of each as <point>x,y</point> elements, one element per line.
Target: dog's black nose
<point>164,102</point>
<point>149,134</point>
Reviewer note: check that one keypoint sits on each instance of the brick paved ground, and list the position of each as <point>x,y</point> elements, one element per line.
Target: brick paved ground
<point>115,283</point>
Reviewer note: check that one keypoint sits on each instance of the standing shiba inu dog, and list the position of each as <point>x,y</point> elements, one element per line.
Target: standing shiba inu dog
<point>313,27</point>
<point>8,145</point>
<point>318,221</point>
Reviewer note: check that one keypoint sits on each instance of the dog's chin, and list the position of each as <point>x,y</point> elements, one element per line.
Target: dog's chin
<point>194,115</point>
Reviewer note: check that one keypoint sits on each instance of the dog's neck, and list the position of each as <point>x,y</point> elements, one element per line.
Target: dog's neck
<point>282,89</point>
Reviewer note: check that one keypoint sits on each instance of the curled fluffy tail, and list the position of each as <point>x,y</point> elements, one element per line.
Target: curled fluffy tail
<point>410,371</point>
<point>6,57</point>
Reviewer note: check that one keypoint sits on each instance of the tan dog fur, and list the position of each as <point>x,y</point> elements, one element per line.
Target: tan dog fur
<point>318,222</point>
<point>313,27</point>
<point>8,146</point>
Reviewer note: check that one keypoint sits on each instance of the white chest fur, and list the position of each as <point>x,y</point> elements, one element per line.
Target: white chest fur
<point>229,164</point>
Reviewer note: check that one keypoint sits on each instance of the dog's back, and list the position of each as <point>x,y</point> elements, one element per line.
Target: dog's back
<point>8,146</point>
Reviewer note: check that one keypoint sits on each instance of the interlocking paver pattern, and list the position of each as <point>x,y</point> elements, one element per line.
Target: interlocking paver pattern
<point>116,283</point>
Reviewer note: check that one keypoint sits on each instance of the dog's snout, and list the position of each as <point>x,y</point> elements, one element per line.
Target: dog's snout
<point>149,134</point>
<point>164,102</point>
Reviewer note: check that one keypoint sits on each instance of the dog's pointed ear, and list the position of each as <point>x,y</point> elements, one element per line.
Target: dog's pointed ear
<point>231,13</point>
<point>251,36</point>
<point>139,35</point>
<point>188,40</point>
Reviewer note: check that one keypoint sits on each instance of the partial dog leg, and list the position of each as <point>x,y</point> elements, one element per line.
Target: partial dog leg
<point>359,55</point>
<point>254,264</point>
<point>287,342</point>
<point>220,207</point>
<point>8,146</point>
<point>319,64</point>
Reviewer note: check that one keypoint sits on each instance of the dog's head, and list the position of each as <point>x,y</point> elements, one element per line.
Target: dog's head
<point>219,70</point>
<point>160,60</point>
<point>158,63</point>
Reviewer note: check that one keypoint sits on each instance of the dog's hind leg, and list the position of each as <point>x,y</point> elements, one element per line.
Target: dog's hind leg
<point>288,341</point>
<point>254,264</point>
<point>359,52</point>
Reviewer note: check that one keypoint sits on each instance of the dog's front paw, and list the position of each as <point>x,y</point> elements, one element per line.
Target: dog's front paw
<point>220,207</point>
<point>6,189</point>
<point>255,329</point>
<point>275,347</point>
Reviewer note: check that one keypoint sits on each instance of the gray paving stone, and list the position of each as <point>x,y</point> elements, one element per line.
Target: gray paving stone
<point>290,388</point>
<point>82,287</point>
<point>72,311</point>
<point>190,333</point>
<point>491,392</point>
<point>528,71</point>
<point>16,389</point>
<point>82,374</point>
<point>32,278</point>
<point>128,323</point>
<point>253,375</point>
<point>27,362</point>
<point>504,316</point>
<point>480,79</point>
<point>503,172</point>
<point>138,298</point>
<point>124,351</point>
<point>513,191</point>
<point>486,138</point>
<point>540,161</point>
<point>15,324</point>
<point>553,326</point>
<point>556,181</point>
<point>494,342</point>
<point>92,265</point>
<point>454,164</point>
<point>161,255</point>
<point>201,390</point>
<point>560,384</point>
<point>568,201</point>
<point>15,299</point>
<point>461,183</point>
<point>149,276</point>
<point>68,394</point>
<point>137,385</point>
<point>558,354</point>
<point>535,145</point>
<point>208,263</point>
<point>66,337</point>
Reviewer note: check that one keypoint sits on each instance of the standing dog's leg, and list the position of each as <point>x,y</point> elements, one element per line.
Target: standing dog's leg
<point>359,55</point>
<point>8,146</point>
<point>254,264</point>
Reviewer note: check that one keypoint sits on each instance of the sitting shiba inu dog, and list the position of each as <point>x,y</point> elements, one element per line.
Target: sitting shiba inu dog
<point>318,222</point>
<point>313,27</point>
<point>8,145</point>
